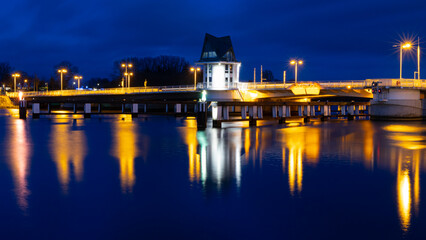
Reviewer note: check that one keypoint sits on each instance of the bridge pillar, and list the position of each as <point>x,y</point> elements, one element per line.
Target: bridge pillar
<point>22,109</point>
<point>225,110</point>
<point>185,108</point>
<point>135,110</point>
<point>243,112</point>
<point>99,107</point>
<point>351,110</point>
<point>300,110</point>
<point>253,112</point>
<point>325,112</point>
<point>167,107</point>
<point>343,110</point>
<point>287,111</point>
<point>274,111</point>
<point>202,115</point>
<point>87,110</point>
<point>36,110</point>
<point>144,107</point>
<point>123,107</point>
<point>260,112</point>
<point>178,108</point>
<point>313,108</point>
<point>357,110</point>
<point>74,108</point>
<point>49,108</point>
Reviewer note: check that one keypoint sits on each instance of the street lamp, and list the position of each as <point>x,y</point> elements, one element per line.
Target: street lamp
<point>128,75</point>
<point>402,46</point>
<point>15,75</point>
<point>195,70</point>
<point>62,71</point>
<point>126,66</point>
<point>78,78</point>
<point>296,63</point>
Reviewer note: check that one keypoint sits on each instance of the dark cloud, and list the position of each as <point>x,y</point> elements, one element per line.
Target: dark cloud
<point>337,39</point>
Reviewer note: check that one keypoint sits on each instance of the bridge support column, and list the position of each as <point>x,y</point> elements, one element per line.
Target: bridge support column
<point>252,115</point>
<point>343,110</point>
<point>300,111</point>
<point>144,107</point>
<point>22,109</point>
<point>243,112</point>
<point>351,110</point>
<point>325,112</point>
<point>178,109</point>
<point>167,108</point>
<point>74,106</point>
<point>87,110</point>
<point>49,108</point>
<point>282,114</point>
<point>313,108</point>
<point>185,108</point>
<point>287,111</point>
<point>217,115</point>
<point>36,110</point>
<point>202,116</point>
<point>274,111</point>
<point>357,110</point>
<point>260,112</point>
<point>135,110</point>
<point>307,113</point>
<point>225,110</point>
<point>123,107</point>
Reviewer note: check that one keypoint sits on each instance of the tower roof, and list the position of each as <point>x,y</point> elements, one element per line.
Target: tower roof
<point>217,49</point>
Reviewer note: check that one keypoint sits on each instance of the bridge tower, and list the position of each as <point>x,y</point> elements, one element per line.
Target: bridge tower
<point>220,67</point>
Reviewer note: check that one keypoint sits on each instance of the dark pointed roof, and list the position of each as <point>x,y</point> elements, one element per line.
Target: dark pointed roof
<point>217,49</point>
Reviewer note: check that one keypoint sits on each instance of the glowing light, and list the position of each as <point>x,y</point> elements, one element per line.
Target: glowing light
<point>406,45</point>
<point>20,94</point>
<point>292,62</point>
<point>204,96</point>
<point>19,162</point>
<point>348,87</point>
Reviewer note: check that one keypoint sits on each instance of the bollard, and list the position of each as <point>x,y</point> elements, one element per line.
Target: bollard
<point>36,110</point>
<point>202,115</point>
<point>87,110</point>
<point>22,109</point>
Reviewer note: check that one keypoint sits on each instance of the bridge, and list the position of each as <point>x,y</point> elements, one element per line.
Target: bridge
<point>303,100</point>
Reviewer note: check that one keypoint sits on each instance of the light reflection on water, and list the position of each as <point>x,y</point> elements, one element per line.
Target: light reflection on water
<point>68,148</point>
<point>19,150</point>
<point>221,161</point>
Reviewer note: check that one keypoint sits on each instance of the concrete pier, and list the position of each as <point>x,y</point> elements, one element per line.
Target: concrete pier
<point>87,110</point>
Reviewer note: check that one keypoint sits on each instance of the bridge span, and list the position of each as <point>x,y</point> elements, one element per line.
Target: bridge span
<point>389,98</point>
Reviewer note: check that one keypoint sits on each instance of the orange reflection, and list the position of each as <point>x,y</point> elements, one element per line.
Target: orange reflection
<point>301,144</point>
<point>69,148</point>
<point>190,138</point>
<point>19,161</point>
<point>126,151</point>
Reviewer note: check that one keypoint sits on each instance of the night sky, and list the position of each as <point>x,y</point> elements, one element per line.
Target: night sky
<point>338,40</point>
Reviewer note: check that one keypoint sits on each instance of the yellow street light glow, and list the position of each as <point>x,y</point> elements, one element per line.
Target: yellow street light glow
<point>348,87</point>
<point>123,65</point>
<point>300,62</point>
<point>130,65</point>
<point>192,69</point>
<point>131,74</point>
<point>292,62</point>
<point>125,74</point>
<point>406,45</point>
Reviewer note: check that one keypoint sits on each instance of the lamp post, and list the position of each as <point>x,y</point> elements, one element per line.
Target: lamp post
<point>296,63</point>
<point>128,75</point>
<point>62,71</point>
<point>402,46</point>
<point>126,66</point>
<point>418,58</point>
<point>78,78</point>
<point>15,75</point>
<point>195,70</point>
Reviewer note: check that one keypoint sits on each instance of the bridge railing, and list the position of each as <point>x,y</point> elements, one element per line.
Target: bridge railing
<point>107,91</point>
<point>404,83</point>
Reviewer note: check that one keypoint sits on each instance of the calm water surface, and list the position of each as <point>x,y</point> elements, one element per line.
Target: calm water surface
<point>158,177</point>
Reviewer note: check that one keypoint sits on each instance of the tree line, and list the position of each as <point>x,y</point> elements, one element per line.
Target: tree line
<point>155,71</point>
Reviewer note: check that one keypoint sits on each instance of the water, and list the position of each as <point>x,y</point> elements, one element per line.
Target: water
<point>158,177</point>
